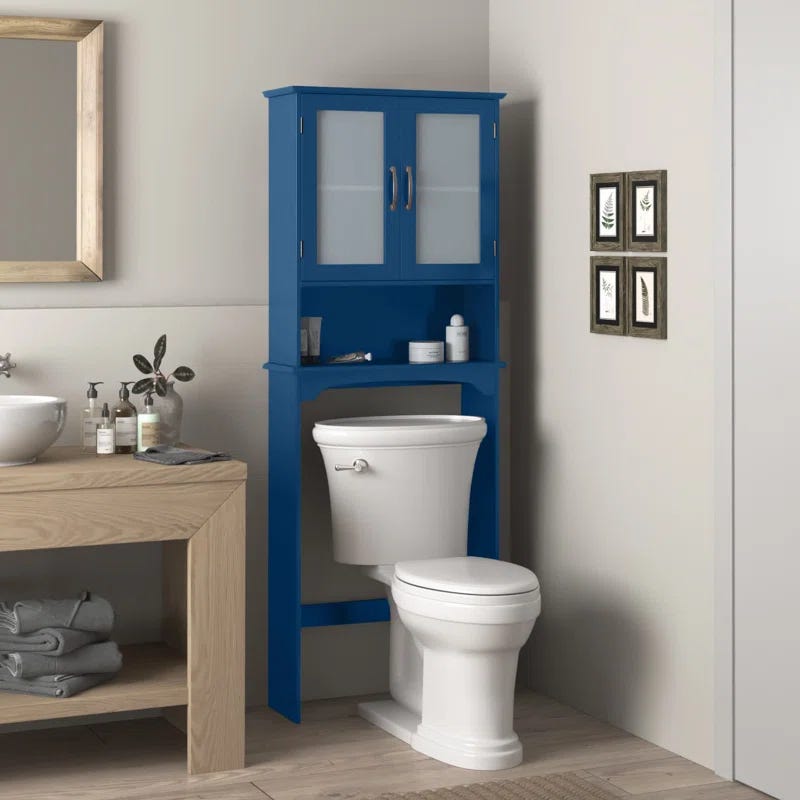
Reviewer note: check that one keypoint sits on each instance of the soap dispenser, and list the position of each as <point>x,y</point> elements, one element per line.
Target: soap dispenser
<point>124,418</point>
<point>148,426</point>
<point>105,433</point>
<point>91,419</point>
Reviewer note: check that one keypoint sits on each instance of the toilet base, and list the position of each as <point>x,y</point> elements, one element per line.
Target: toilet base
<point>391,717</point>
<point>397,720</point>
<point>488,755</point>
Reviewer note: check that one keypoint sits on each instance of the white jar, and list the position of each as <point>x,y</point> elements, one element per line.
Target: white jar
<point>426,352</point>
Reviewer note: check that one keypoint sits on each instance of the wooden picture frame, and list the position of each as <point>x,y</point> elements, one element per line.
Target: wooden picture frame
<point>607,214</point>
<point>608,309</point>
<point>646,211</point>
<point>646,282</point>
<point>88,263</point>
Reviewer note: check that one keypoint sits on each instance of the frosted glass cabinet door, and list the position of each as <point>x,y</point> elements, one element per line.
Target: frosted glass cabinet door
<point>350,187</point>
<point>448,189</point>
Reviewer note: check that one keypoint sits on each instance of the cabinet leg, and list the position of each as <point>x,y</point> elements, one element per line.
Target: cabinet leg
<point>283,585</point>
<point>216,639</point>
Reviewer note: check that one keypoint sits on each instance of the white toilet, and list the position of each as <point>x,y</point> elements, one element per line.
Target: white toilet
<point>399,489</point>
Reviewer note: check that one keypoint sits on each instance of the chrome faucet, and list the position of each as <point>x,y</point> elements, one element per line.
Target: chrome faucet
<point>5,365</point>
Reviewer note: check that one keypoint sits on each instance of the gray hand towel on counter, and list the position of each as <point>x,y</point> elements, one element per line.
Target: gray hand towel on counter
<point>171,456</point>
<point>92,659</point>
<point>53,685</point>
<point>89,612</point>
<point>53,641</point>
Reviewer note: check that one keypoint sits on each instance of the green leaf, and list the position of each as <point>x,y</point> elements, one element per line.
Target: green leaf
<point>142,364</point>
<point>609,213</point>
<point>161,387</point>
<point>143,385</point>
<point>160,351</point>
<point>645,298</point>
<point>183,374</point>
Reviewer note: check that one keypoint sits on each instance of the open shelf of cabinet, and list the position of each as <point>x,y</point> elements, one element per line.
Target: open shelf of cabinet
<point>314,379</point>
<point>152,676</point>
<point>405,184</point>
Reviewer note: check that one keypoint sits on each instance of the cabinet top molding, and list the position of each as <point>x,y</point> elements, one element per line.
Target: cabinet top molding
<point>395,92</point>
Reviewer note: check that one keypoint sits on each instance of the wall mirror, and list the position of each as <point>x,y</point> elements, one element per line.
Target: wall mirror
<point>51,150</point>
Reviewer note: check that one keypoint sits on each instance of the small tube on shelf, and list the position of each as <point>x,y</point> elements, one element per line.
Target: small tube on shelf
<point>356,357</point>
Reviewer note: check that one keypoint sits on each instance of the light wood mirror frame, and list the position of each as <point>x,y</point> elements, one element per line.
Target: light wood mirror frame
<point>88,264</point>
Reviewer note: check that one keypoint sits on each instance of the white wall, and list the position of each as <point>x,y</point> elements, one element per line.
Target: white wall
<point>612,469</point>
<point>186,227</point>
<point>767,385</point>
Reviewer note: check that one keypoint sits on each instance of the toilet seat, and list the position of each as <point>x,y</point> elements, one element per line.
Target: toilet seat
<point>491,592</point>
<point>468,575</point>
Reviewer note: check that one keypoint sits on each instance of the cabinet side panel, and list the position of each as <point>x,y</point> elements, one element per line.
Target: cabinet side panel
<point>284,237</point>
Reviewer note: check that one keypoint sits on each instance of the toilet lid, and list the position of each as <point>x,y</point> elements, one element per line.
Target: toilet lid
<point>467,575</point>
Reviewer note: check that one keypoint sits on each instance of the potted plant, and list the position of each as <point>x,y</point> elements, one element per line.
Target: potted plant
<point>170,403</point>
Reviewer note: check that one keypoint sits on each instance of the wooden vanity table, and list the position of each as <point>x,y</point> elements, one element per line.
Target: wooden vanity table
<point>69,500</point>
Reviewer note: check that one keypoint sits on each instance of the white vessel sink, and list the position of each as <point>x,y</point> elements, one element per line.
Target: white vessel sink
<point>29,424</point>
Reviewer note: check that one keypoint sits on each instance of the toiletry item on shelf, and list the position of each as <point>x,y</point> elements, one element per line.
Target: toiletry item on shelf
<point>457,339</point>
<point>303,345</point>
<point>91,419</point>
<point>313,328</point>
<point>124,419</point>
<point>426,352</point>
<point>148,426</point>
<point>357,357</point>
<point>106,441</point>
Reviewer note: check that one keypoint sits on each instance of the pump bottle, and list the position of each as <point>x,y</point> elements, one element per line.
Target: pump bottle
<point>91,419</point>
<point>124,419</point>
<point>149,426</point>
<point>105,433</point>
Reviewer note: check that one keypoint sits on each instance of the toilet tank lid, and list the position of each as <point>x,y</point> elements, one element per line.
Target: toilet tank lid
<point>467,575</point>
<point>399,430</point>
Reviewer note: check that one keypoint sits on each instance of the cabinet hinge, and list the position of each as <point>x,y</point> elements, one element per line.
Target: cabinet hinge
<point>300,125</point>
<point>494,130</point>
<point>301,248</point>
<point>494,248</point>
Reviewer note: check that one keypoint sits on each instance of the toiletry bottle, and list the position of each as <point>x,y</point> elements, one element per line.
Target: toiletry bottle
<point>105,433</point>
<point>124,418</point>
<point>148,426</point>
<point>91,419</point>
<point>457,339</point>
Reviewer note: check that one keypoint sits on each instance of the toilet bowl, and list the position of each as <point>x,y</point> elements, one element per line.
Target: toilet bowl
<point>399,489</point>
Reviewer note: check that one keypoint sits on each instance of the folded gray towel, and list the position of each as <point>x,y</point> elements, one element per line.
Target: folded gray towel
<point>89,612</point>
<point>92,659</point>
<point>53,641</point>
<point>165,454</point>
<point>53,685</point>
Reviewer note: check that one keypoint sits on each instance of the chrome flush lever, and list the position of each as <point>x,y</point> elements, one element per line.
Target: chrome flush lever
<point>5,365</point>
<point>359,465</point>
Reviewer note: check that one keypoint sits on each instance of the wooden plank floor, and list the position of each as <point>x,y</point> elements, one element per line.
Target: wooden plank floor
<point>334,754</point>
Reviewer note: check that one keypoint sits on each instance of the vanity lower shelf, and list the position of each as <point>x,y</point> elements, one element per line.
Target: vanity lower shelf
<point>152,676</point>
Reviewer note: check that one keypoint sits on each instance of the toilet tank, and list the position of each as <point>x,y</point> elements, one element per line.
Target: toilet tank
<point>408,495</point>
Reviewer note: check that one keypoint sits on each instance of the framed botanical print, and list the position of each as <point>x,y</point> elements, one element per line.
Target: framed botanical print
<point>646,284</point>
<point>608,286</point>
<point>646,206</point>
<point>607,223</point>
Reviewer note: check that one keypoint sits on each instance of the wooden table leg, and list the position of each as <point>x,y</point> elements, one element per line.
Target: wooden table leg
<point>216,639</point>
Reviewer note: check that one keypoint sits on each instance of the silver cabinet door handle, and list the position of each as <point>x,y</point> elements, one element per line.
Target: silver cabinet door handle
<point>359,465</point>
<point>393,204</point>
<point>410,186</point>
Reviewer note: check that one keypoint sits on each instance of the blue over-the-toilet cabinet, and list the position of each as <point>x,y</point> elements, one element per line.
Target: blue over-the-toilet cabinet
<point>383,220</point>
